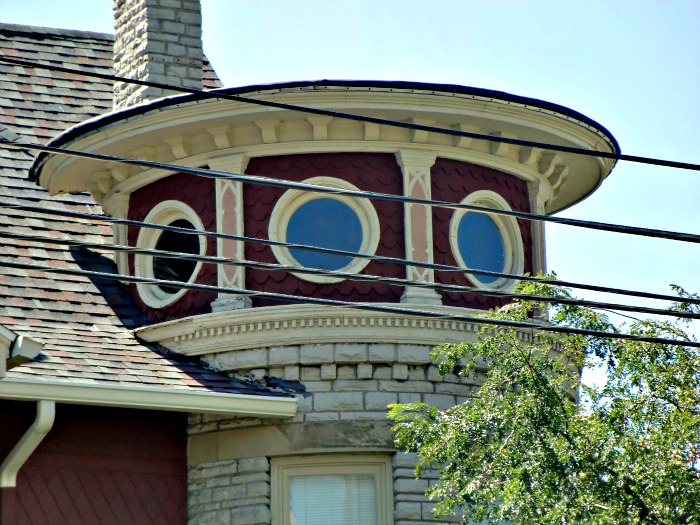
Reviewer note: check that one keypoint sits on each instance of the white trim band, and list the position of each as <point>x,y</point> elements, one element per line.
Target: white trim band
<point>295,324</point>
<point>148,398</point>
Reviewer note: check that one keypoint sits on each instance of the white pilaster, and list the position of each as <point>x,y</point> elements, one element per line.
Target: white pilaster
<point>418,224</point>
<point>540,192</point>
<point>117,205</point>
<point>229,220</point>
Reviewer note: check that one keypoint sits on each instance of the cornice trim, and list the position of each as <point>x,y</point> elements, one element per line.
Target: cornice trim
<point>191,133</point>
<point>509,166</point>
<point>307,324</point>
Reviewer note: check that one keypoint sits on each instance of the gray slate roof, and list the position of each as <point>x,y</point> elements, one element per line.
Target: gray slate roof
<point>85,324</point>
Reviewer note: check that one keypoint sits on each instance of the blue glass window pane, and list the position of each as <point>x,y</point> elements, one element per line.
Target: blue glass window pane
<point>481,245</point>
<point>327,223</point>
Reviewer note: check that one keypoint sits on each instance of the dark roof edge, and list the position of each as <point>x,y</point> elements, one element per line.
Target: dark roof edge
<point>110,118</point>
<point>73,33</point>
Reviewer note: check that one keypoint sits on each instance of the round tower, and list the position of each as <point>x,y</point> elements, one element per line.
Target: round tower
<point>345,365</point>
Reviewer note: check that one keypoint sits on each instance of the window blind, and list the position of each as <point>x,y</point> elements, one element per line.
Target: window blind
<point>348,499</point>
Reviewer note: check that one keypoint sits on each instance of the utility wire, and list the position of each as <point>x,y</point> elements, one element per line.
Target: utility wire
<point>307,187</point>
<point>377,258</point>
<point>216,94</point>
<point>277,183</point>
<point>532,326</point>
<point>391,281</point>
<point>221,94</point>
<point>362,118</point>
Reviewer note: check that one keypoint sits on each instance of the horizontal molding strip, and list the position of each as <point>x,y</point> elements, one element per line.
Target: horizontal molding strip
<point>307,324</point>
<point>121,396</point>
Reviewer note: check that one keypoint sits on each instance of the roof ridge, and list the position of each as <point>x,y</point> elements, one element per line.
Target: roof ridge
<point>73,33</point>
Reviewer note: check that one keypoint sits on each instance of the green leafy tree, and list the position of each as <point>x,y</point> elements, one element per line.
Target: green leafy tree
<point>533,446</point>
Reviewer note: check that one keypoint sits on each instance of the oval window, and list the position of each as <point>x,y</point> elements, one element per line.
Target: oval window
<point>488,242</point>
<point>480,242</point>
<point>336,222</point>
<point>180,215</point>
<point>326,223</point>
<point>175,268</point>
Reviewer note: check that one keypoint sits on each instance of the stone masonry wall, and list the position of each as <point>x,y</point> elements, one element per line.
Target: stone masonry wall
<point>235,492</point>
<point>348,387</point>
<point>157,41</point>
<point>346,381</point>
<point>411,507</point>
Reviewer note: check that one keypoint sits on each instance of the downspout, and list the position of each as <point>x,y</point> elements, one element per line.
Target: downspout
<point>45,414</point>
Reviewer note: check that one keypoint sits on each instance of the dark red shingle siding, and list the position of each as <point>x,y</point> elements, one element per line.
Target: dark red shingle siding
<point>199,194</point>
<point>99,465</point>
<point>376,172</point>
<point>453,181</point>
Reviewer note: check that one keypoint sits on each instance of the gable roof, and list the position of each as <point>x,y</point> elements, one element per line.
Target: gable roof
<point>84,324</point>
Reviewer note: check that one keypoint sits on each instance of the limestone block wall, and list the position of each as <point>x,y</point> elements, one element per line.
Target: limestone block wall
<point>411,507</point>
<point>344,390</point>
<point>234,492</point>
<point>349,381</point>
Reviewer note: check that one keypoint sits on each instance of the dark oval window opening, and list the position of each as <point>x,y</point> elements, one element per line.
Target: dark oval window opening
<point>175,268</point>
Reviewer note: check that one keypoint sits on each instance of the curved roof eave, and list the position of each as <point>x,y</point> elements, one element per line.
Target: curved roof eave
<point>161,103</point>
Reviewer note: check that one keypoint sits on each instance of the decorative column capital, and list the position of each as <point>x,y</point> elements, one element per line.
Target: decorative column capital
<point>236,163</point>
<point>410,159</point>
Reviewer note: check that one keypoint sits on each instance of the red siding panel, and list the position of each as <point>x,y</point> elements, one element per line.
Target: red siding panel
<point>100,465</point>
<point>199,194</point>
<point>377,172</point>
<point>8,506</point>
<point>453,181</point>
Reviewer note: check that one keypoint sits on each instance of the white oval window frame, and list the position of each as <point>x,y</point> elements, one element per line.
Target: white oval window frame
<point>510,233</point>
<point>164,213</point>
<point>291,200</point>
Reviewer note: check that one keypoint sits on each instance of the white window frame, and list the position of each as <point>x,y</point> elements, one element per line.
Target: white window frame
<point>377,465</point>
<point>510,233</point>
<point>291,200</point>
<point>164,213</point>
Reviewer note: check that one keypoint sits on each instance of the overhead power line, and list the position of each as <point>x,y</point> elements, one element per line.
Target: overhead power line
<point>391,281</point>
<point>532,326</point>
<point>379,196</point>
<point>278,183</point>
<point>330,251</point>
<point>221,94</point>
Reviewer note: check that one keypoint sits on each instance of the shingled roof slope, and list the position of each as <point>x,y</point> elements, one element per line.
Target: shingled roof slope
<point>84,324</point>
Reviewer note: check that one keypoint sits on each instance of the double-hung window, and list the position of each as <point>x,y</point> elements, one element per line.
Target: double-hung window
<point>339,489</point>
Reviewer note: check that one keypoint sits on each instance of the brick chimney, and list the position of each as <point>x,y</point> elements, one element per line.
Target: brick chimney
<point>158,41</point>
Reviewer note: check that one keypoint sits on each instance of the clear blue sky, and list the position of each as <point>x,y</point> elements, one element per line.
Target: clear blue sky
<point>632,65</point>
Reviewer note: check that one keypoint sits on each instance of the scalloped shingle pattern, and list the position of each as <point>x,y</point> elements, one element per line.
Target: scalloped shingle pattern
<point>84,323</point>
<point>375,172</point>
<point>453,181</point>
<point>199,194</point>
